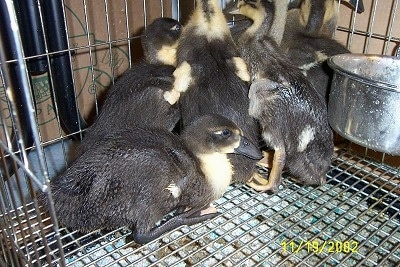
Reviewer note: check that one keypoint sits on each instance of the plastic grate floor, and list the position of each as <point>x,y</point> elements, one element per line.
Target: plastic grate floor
<point>353,220</point>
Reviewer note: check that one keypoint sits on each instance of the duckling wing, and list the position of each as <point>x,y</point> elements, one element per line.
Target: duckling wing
<point>186,218</point>
<point>138,91</point>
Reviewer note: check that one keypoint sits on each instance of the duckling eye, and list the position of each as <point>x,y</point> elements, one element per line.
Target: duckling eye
<point>225,133</point>
<point>176,27</point>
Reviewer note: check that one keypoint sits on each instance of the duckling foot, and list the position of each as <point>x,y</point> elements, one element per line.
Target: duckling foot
<point>186,218</point>
<point>275,176</point>
<point>266,161</point>
<point>261,184</point>
<point>258,179</point>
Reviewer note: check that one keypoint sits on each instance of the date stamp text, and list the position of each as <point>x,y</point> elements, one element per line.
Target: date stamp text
<point>315,246</point>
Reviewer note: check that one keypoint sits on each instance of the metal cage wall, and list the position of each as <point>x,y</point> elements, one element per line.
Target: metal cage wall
<point>57,57</point>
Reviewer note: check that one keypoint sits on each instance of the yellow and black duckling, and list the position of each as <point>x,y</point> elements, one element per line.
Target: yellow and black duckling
<point>308,38</point>
<point>212,78</point>
<point>293,116</point>
<point>139,175</point>
<point>136,98</point>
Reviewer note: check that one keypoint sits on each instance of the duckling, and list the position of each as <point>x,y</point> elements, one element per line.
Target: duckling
<point>212,78</point>
<point>316,16</point>
<point>139,175</point>
<point>136,98</point>
<point>308,39</point>
<point>293,116</point>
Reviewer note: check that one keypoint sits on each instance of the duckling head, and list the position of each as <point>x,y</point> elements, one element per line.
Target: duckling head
<point>215,134</point>
<point>211,138</point>
<point>160,41</point>
<point>261,12</point>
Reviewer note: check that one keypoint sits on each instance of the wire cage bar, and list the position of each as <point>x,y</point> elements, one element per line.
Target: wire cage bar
<point>353,220</point>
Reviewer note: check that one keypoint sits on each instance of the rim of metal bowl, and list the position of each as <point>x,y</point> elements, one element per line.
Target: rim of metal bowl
<point>359,78</point>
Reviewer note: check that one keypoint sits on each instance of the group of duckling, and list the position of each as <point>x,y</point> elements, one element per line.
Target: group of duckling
<point>134,167</point>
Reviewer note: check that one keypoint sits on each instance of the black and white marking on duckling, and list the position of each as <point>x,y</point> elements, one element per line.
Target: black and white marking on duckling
<point>174,189</point>
<point>305,137</point>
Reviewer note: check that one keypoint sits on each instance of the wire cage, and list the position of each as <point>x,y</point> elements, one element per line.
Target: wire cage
<point>57,57</point>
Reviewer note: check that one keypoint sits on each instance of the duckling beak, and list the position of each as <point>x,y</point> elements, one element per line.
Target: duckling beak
<point>246,148</point>
<point>232,8</point>
<point>358,5</point>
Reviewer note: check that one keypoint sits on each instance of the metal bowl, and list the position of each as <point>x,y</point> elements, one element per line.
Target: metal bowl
<point>364,101</point>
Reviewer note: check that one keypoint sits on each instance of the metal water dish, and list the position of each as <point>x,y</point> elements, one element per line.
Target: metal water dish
<point>364,101</point>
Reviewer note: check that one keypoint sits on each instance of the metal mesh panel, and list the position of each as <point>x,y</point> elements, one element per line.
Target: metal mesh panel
<point>353,220</point>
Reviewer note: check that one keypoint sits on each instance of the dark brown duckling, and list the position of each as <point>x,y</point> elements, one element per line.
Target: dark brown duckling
<point>139,175</point>
<point>317,17</point>
<point>136,98</point>
<point>292,114</point>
